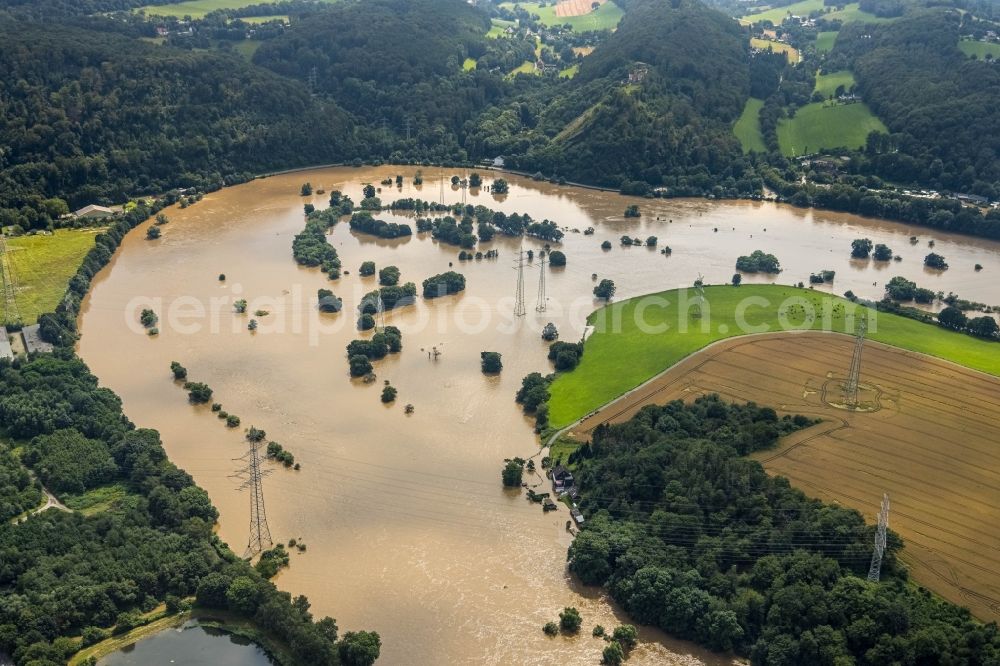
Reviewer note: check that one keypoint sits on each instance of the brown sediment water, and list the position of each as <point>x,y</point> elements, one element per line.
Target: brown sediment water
<point>408,529</point>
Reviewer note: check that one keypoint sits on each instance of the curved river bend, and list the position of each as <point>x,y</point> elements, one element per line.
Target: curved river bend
<point>407,527</point>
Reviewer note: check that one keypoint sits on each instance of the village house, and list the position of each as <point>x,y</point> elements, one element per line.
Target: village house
<point>93,212</point>
<point>562,480</point>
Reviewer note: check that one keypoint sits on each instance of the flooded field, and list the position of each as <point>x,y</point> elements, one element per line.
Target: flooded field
<point>408,529</point>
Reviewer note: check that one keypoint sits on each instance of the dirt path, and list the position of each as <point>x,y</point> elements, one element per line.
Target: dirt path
<point>929,435</point>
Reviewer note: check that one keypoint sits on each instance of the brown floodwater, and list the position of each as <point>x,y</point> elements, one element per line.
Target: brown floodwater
<point>408,529</point>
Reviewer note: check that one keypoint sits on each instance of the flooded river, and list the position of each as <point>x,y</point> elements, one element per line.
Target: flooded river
<point>408,529</point>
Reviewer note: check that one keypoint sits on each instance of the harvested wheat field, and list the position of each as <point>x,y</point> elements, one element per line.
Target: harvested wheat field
<point>927,432</point>
<point>576,7</point>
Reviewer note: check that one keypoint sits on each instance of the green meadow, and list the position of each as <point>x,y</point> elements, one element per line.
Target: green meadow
<point>621,355</point>
<point>605,17</point>
<point>747,128</point>
<point>979,49</point>
<point>198,8</point>
<point>826,40</point>
<point>827,84</point>
<point>821,126</point>
<point>39,268</point>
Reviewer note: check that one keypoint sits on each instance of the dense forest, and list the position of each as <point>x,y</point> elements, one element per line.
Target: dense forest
<point>93,117</point>
<point>690,536</point>
<point>948,137</point>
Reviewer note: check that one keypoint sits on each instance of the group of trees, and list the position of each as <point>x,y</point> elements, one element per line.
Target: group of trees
<point>692,537</point>
<point>360,353</point>
<point>758,262</point>
<point>364,222</point>
<point>310,247</point>
<point>443,284</point>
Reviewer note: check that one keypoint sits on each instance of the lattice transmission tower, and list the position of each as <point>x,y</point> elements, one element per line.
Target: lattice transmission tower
<point>875,570</point>
<point>519,310</point>
<point>854,376</point>
<point>542,298</point>
<point>699,297</point>
<point>252,474</point>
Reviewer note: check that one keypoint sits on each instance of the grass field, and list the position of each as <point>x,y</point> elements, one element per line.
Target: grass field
<point>265,19</point>
<point>979,49</point>
<point>605,17</point>
<point>247,47</point>
<point>778,14</point>
<point>747,128</point>
<point>826,84</point>
<point>198,8</point>
<point>95,500</point>
<point>850,12</point>
<point>777,47</point>
<point>820,126</point>
<point>617,361</point>
<point>826,40</point>
<point>497,26</point>
<point>40,268</point>
<point>526,67</point>
<point>569,72</point>
<point>926,434</point>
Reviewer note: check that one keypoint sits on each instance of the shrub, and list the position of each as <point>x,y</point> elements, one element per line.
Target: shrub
<point>570,620</point>
<point>360,365</point>
<point>490,362</point>
<point>198,392</point>
<point>550,628</point>
<point>512,473</point>
<point>328,302</point>
<point>388,276</point>
<point>180,372</point>
<point>605,289</point>
<point>388,394</point>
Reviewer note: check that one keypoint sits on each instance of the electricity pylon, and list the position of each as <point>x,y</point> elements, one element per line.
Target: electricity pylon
<point>540,305</point>
<point>853,378</point>
<point>699,296</point>
<point>875,570</point>
<point>260,535</point>
<point>519,310</point>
